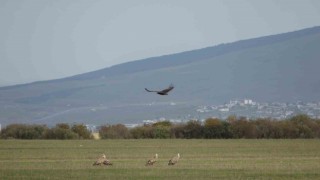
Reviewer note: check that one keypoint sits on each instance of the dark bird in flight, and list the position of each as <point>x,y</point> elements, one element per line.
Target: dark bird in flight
<point>162,92</point>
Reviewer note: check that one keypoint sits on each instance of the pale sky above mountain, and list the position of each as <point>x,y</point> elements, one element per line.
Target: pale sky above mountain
<point>49,39</point>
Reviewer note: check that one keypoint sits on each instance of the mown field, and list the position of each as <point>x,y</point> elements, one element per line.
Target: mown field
<point>200,159</point>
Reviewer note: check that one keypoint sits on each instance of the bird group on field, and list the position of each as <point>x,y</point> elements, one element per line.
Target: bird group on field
<point>102,160</point>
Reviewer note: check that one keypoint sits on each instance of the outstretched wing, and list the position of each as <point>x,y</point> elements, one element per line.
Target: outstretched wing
<point>165,91</point>
<point>150,90</point>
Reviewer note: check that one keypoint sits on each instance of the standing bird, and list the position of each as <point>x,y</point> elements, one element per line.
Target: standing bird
<point>174,160</point>
<point>162,92</point>
<point>153,160</point>
<point>102,160</point>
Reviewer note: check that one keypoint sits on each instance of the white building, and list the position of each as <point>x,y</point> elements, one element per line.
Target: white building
<point>224,109</point>
<point>247,101</point>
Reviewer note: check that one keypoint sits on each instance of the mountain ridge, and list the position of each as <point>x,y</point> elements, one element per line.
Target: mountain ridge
<point>207,52</point>
<point>281,67</point>
<point>157,61</point>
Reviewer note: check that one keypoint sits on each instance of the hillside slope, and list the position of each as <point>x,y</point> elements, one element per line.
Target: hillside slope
<point>282,67</point>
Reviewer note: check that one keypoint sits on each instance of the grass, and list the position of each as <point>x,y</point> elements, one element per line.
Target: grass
<point>200,159</point>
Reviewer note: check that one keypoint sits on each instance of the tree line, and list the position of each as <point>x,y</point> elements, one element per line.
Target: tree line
<point>60,131</point>
<point>300,126</point>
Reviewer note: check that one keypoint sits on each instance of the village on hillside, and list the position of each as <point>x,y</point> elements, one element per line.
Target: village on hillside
<point>246,108</point>
<point>253,110</point>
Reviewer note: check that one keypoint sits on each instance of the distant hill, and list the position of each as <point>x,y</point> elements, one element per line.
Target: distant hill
<point>283,67</point>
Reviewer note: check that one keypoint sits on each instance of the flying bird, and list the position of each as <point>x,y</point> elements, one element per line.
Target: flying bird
<point>162,92</point>
<point>102,160</point>
<point>174,160</point>
<point>153,160</point>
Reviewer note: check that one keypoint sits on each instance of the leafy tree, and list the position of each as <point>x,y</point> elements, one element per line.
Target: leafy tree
<point>63,126</point>
<point>216,128</point>
<point>142,132</point>
<point>23,131</point>
<point>118,131</point>
<point>177,131</point>
<point>82,131</point>
<point>162,124</point>
<point>213,128</point>
<point>193,129</point>
<point>61,131</point>
<point>161,130</point>
<point>305,127</point>
<point>242,128</point>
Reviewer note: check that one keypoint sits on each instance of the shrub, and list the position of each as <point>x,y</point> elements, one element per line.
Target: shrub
<point>61,131</point>
<point>23,131</point>
<point>82,131</point>
<point>118,131</point>
<point>193,129</point>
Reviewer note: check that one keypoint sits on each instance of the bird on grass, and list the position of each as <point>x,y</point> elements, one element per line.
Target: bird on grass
<point>102,160</point>
<point>153,160</point>
<point>174,160</point>
<point>162,92</point>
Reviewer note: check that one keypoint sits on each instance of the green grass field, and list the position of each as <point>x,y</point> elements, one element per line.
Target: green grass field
<point>200,159</point>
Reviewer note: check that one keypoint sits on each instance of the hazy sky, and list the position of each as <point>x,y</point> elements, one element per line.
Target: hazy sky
<point>48,39</point>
